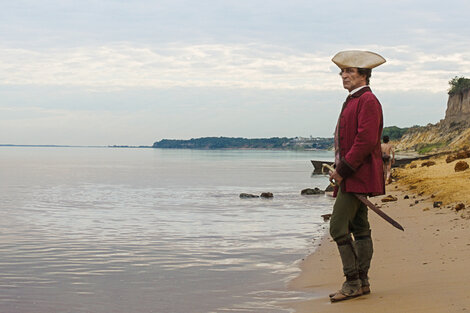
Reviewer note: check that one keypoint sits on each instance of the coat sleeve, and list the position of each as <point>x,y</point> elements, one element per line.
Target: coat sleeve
<point>369,118</point>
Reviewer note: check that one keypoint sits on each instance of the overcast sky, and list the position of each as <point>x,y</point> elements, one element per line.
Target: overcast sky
<point>111,72</point>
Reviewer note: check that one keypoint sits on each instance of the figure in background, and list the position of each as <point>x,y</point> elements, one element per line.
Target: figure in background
<point>388,157</point>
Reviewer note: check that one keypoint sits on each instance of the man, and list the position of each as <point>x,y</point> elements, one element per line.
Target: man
<point>388,157</point>
<point>358,170</point>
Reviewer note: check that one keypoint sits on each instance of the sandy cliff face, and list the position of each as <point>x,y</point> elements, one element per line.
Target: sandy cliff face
<point>443,136</point>
<point>458,107</point>
<point>451,133</point>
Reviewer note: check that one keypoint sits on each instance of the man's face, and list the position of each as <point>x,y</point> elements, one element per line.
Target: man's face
<point>352,79</point>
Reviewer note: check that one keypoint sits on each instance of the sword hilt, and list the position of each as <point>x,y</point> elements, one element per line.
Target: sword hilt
<point>329,167</point>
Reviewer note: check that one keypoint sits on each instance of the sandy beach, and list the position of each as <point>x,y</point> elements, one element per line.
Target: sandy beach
<point>423,269</point>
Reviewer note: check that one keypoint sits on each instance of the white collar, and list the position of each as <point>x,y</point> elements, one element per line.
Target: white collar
<point>357,89</point>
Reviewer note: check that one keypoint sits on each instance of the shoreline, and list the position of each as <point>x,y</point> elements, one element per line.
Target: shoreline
<point>428,261</point>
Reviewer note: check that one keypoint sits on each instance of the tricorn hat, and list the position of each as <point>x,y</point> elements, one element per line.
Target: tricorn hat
<point>357,58</point>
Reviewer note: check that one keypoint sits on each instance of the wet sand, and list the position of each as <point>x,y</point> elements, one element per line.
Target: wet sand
<point>423,269</point>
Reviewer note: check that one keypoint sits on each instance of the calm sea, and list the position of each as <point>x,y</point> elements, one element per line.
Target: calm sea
<point>149,230</point>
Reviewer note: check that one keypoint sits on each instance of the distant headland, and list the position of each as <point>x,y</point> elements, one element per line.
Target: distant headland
<point>211,143</point>
<point>275,143</point>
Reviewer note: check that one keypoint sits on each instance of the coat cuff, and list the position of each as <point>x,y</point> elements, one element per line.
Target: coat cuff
<point>344,168</point>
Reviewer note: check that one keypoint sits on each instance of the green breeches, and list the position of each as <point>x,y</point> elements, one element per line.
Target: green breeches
<point>349,217</point>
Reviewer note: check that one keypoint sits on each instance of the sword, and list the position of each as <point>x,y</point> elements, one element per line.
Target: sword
<point>371,206</point>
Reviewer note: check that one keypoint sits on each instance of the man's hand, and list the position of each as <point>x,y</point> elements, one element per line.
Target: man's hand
<point>335,178</point>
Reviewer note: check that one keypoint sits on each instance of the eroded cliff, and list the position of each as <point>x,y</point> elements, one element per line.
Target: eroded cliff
<point>451,133</point>
<point>458,107</point>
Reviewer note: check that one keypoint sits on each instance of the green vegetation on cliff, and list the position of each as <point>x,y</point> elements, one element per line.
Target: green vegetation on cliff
<point>394,132</point>
<point>428,148</point>
<point>458,85</point>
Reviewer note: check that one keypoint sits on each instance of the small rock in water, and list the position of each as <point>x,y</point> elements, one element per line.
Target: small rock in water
<point>267,195</point>
<point>248,195</point>
<point>310,191</point>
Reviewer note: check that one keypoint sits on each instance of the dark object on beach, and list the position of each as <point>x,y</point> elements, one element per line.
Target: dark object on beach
<point>403,161</point>
<point>428,163</point>
<point>450,158</point>
<point>459,207</point>
<point>398,162</point>
<point>463,154</point>
<point>413,166</point>
<point>267,195</point>
<point>437,204</point>
<point>461,166</point>
<point>248,196</point>
<point>330,188</point>
<point>310,191</point>
<point>326,217</point>
<point>406,197</point>
<point>389,198</point>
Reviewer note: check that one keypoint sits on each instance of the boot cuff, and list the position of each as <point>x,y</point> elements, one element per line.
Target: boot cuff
<point>352,277</point>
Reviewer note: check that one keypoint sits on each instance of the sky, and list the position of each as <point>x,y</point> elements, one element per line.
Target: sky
<point>112,72</point>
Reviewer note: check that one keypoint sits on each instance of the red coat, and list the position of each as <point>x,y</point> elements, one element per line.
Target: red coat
<point>359,130</point>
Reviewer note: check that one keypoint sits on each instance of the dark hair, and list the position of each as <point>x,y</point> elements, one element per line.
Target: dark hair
<point>367,72</point>
<point>385,139</point>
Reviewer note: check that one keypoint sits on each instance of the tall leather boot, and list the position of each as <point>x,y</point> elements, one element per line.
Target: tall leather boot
<point>364,250</point>
<point>352,286</point>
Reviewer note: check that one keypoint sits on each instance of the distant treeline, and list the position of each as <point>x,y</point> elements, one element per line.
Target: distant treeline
<point>298,143</point>
<point>394,133</point>
<point>245,143</point>
<point>223,143</point>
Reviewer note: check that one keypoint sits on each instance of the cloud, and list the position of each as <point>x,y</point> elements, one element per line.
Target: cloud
<point>412,69</point>
<point>126,65</point>
<point>105,72</point>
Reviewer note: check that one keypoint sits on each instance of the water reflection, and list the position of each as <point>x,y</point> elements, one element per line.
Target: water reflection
<point>129,231</point>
